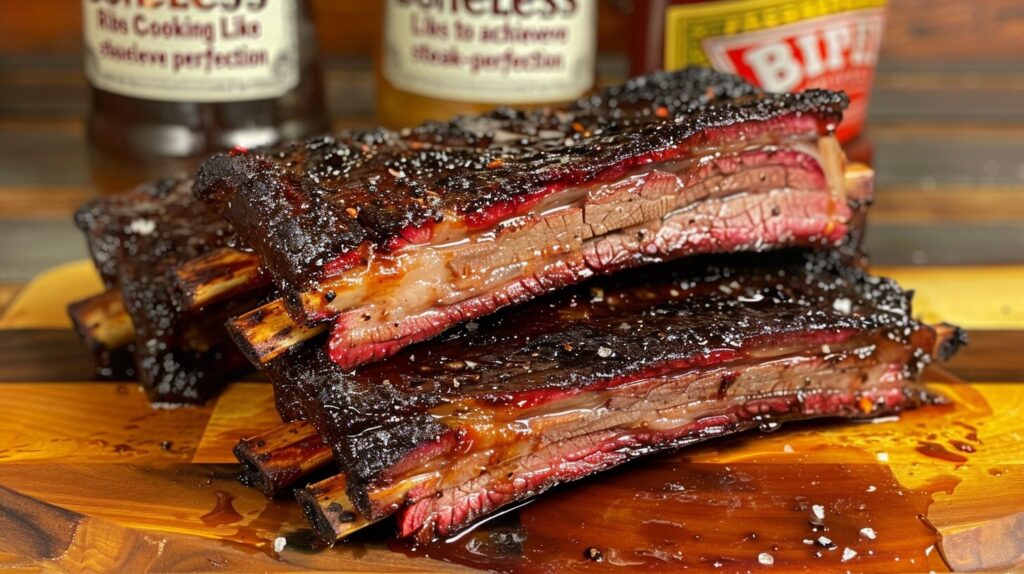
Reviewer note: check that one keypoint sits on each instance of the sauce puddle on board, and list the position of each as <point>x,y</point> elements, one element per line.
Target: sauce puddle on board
<point>223,513</point>
<point>667,514</point>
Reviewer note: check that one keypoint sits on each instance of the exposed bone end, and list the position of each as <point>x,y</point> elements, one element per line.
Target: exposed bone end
<point>276,459</point>
<point>329,510</point>
<point>102,321</point>
<point>266,332</point>
<point>107,331</point>
<point>833,162</point>
<point>859,181</point>
<point>217,276</point>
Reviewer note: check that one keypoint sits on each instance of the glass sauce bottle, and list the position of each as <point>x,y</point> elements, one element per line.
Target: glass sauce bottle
<point>173,81</point>
<point>779,45</point>
<point>442,58</point>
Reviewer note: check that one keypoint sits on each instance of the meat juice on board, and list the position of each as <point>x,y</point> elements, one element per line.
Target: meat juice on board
<point>778,45</point>
<point>173,81</point>
<point>442,58</point>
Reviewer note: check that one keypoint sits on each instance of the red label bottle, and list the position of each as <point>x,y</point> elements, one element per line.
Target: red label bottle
<point>779,45</point>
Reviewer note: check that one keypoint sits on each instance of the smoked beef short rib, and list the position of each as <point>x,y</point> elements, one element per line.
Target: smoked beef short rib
<point>498,410</point>
<point>392,237</point>
<point>139,241</point>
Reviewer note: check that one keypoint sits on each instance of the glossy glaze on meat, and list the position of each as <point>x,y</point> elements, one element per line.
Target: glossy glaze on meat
<point>741,338</point>
<point>315,208</point>
<point>389,238</point>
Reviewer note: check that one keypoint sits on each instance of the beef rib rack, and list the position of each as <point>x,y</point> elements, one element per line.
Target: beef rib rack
<point>387,238</point>
<point>498,410</point>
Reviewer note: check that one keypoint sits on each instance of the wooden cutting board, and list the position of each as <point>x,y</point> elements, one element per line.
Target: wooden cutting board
<point>92,478</point>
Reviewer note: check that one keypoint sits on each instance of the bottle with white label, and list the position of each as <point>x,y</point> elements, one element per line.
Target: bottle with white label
<point>173,81</point>
<point>446,57</point>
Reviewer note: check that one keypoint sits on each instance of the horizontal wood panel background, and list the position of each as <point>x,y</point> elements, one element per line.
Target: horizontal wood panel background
<point>950,178</point>
<point>918,31</point>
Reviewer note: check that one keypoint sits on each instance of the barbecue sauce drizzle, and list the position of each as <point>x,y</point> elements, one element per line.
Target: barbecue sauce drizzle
<point>669,514</point>
<point>768,511</point>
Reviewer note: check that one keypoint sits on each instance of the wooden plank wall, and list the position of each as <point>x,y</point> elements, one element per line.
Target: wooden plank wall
<point>919,31</point>
<point>946,126</point>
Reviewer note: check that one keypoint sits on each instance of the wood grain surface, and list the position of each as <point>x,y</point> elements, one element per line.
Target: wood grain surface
<point>93,478</point>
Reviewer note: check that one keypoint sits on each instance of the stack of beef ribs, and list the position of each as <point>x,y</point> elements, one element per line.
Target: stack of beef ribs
<point>462,315</point>
<point>172,283</point>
